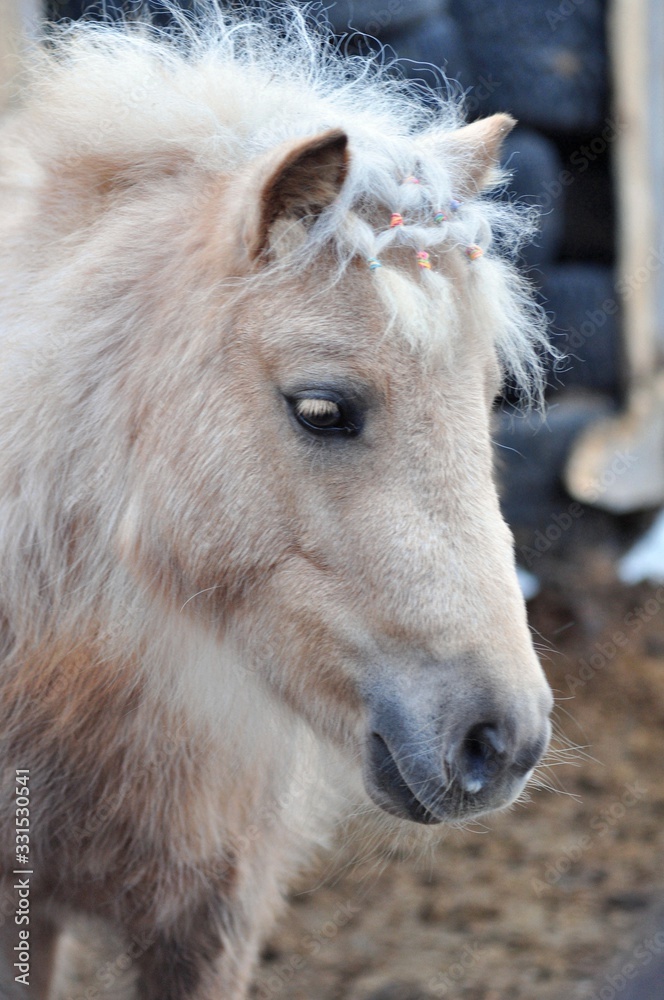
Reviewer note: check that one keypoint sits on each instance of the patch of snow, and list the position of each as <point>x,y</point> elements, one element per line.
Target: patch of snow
<point>645,560</point>
<point>530,585</point>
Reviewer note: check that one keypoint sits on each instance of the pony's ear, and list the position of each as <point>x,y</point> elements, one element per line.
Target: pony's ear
<point>297,182</point>
<point>475,151</point>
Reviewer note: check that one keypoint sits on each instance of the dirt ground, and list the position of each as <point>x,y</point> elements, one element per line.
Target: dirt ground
<point>552,900</point>
<point>562,897</point>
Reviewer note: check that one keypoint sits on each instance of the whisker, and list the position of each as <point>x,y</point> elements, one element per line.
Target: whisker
<point>206,590</point>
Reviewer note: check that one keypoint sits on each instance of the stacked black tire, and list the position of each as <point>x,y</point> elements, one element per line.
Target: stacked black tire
<point>545,62</point>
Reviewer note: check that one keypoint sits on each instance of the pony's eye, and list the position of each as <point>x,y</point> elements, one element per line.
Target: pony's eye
<point>318,413</point>
<point>324,415</point>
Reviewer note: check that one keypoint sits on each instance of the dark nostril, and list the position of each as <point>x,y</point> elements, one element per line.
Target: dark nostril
<point>481,755</point>
<point>528,757</point>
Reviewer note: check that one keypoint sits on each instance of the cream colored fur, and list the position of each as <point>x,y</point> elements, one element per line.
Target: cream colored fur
<point>188,608</point>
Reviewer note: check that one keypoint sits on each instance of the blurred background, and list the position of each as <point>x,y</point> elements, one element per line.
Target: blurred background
<point>564,898</point>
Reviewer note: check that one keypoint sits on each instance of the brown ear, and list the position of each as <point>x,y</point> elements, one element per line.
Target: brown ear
<point>476,148</point>
<point>298,181</point>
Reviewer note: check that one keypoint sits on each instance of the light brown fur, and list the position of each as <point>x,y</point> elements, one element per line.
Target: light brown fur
<point>209,613</point>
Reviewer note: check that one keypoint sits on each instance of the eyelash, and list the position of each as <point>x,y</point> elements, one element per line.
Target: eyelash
<point>346,425</point>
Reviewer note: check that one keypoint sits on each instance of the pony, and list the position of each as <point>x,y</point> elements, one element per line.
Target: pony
<point>256,303</point>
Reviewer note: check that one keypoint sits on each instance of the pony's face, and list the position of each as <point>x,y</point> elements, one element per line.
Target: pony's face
<point>326,488</point>
<point>392,617</point>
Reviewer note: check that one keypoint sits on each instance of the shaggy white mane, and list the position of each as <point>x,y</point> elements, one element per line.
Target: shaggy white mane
<point>226,90</point>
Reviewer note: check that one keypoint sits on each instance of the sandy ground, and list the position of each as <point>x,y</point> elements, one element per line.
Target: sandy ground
<point>561,898</point>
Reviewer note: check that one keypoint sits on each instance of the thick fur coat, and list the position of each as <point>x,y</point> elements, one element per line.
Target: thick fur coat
<point>254,574</point>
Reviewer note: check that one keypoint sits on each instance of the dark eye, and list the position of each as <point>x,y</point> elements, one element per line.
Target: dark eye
<point>324,415</point>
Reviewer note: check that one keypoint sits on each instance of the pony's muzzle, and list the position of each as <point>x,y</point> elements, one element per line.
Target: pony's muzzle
<point>426,771</point>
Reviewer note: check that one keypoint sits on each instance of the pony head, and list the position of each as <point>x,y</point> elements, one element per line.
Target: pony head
<point>284,307</point>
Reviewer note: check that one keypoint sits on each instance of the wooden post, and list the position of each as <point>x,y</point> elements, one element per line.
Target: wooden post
<point>637,37</point>
<point>636,438</point>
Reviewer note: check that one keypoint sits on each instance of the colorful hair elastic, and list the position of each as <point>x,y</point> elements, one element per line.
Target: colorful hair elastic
<point>411,180</point>
<point>423,260</point>
<point>455,205</point>
<point>396,220</point>
<point>473,251</point>
<point>373,263</point>
<point>440,217</point>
